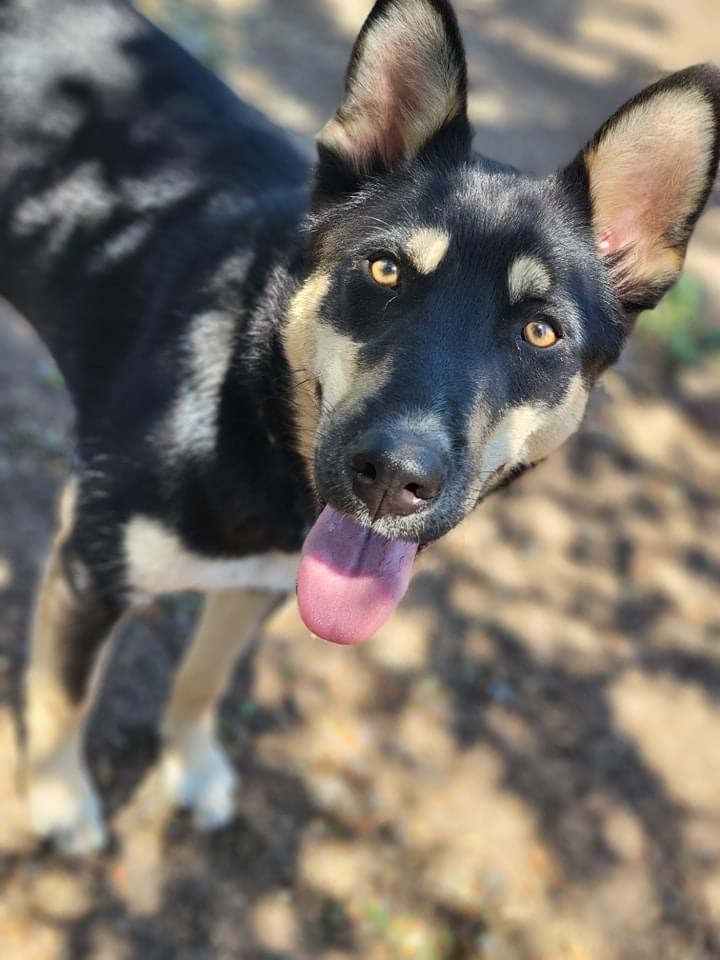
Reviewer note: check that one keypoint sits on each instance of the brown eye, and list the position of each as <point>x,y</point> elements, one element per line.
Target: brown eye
<point>540,333</point>
<point>385,272</point>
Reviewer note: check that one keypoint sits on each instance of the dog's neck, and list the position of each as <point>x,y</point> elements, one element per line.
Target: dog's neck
<point>255,421</point>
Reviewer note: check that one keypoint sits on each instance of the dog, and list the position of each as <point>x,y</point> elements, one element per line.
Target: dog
<point>293,378</point>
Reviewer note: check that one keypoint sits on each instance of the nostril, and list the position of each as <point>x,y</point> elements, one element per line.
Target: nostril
<point>365,468</point>
<point>421,492</point>
<point>418,491</point>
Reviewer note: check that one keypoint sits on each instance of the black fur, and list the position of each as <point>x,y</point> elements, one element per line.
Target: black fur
<point>115,322</point>
<point>138,194</point>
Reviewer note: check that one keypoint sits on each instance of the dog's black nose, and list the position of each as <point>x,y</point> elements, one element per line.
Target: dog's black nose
<point>395,475</point>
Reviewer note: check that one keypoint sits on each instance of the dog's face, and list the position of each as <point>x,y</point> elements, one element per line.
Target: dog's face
<point>456,313</point>
<point>460,318</point>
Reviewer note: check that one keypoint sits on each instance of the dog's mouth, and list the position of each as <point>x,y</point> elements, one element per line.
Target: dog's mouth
<point>350,578</point>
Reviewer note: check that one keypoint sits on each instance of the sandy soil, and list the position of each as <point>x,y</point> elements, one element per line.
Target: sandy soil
<point>525,764</point>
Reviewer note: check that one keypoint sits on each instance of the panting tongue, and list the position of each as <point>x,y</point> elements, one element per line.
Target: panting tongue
<point>350,579</point>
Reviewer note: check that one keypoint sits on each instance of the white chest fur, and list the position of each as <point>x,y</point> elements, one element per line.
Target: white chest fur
<point>157,562</point>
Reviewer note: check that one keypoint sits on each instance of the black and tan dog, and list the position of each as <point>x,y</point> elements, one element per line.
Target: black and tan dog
<point>259,357</point>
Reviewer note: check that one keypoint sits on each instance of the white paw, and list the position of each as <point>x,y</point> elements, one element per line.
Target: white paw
<point>197,776</point>
<point>63,808</point>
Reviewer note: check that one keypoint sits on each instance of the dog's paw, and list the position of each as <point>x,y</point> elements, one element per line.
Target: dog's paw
<point>65,810</point>
<point>197,776</point>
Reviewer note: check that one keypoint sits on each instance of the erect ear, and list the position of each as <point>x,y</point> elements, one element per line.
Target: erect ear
<point>647,174</point>
<point>405,87</point>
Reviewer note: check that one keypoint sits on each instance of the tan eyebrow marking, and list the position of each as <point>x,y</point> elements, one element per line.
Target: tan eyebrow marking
<point>426,247</point>
<point>528,277</point>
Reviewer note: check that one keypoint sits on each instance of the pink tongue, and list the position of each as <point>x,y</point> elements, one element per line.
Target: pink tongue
<point>350,579</point>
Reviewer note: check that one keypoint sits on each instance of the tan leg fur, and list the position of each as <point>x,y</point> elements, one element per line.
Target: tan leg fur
<point>195,771</point>
<point>62,803</point>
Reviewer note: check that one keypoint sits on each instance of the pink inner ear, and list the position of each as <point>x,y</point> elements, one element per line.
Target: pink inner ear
<point>388,111</point>
<point>390,141</point>
<point>629,229</point>
<point>404,87</point>
<point>607,243</point>
<point>643,210</point>
<point>646,177</point>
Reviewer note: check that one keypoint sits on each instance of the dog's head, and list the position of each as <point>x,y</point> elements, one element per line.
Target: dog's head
<point>456,313</point>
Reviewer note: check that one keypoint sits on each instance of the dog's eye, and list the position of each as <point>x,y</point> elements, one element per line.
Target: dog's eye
<point>540,333</point>
<point>385,272</point>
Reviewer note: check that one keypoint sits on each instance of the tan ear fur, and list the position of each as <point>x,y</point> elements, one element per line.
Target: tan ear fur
<point>406,80</point>
<point>647,176</point>
<point>649,171</point>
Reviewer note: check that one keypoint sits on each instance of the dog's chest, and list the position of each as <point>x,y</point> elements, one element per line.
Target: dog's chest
<point>157,562</point>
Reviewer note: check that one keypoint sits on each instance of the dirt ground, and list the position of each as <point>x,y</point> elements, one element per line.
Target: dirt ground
<point>525,763</point>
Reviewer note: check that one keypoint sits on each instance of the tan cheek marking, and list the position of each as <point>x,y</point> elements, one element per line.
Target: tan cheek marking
<point>526,434</point>
<point>506,443</point>
<point>300,338</point>
<point>336,364</point>
<point>338,370</point>
<point>426,248</point>
<point>66,509</point>
<point>557,423</point>
<point>317,353</point>
<point>528,277</point>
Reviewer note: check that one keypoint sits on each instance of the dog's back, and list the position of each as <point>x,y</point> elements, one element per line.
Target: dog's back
<point>123,162</point>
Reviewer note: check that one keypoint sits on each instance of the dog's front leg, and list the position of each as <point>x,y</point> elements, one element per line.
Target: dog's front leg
<point>72,619</point>
<point>194,769</point>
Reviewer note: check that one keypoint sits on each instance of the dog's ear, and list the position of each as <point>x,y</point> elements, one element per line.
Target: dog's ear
<point>405,91</point>
<point>645,178</point>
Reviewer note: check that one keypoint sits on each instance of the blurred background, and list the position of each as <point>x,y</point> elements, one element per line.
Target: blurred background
<point>525,763</point>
